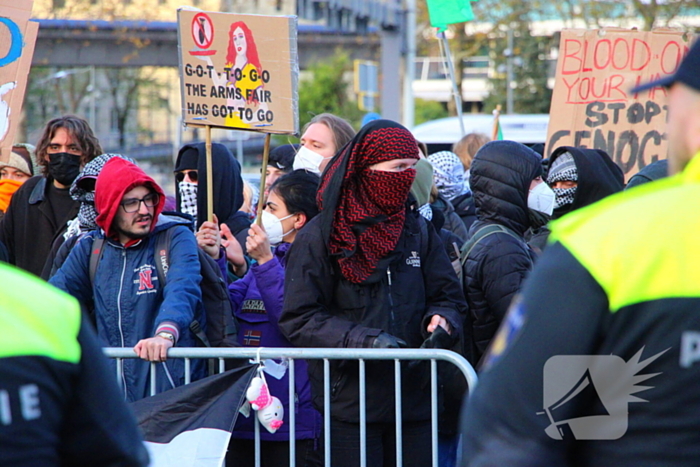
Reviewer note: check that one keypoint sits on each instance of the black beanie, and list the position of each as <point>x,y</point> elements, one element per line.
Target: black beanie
<point>282,157</point>
<point>188,160</point>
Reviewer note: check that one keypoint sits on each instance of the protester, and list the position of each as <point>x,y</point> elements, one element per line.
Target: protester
<point>465,149</point>
<point>578,177</point>
<point>251,195</point>
<point>191,180</point>
<point>59,404</point>
<point>13,173</point>
<point>83,191</point>
<point>654,171</point>
<point>321,138</point>
<point>132,309</point>
<point>369,272</point>
<point>502,175</point>
<point>448,176</point>
<point>257,300</point>
<point>280,162</point>
<point>612,304</point>
<point>41,208</point>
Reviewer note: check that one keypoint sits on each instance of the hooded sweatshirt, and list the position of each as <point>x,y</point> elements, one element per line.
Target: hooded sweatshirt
<point>597,177</point>
<point>119,176</point>
<point>227,190</point>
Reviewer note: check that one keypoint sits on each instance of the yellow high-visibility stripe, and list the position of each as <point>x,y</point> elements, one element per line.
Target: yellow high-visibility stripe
<point>642,244</point>
<point>36,319</point>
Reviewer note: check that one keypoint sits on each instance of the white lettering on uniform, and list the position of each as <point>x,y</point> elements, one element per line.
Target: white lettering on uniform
<point>690,348</point>
<point>5,415</point>
<point>29,401</point>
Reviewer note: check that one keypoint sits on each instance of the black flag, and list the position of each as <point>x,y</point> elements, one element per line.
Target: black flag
<point>191,425</point>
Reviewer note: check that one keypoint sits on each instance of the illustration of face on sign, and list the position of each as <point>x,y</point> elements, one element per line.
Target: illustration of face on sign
<point>243,84</point>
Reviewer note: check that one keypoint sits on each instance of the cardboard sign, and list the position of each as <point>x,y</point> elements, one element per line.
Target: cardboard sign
<point>592,105</point>
<point>239,71</point>
<point>17,39</point>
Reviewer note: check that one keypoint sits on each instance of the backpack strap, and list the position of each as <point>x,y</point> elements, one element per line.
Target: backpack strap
<point>162,252</point>
<point>96,251</point>
<point>480,235</point>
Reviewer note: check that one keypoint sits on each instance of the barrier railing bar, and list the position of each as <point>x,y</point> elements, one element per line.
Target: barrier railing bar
<point>153,379</point>
<point>256,424</point>
<point>434,411</point>
<point>312,354</point>
<point>326,411</point>
<point>397,408</point>
<point>363,416</point>
<point>187,371</point>
<point>292,415</point>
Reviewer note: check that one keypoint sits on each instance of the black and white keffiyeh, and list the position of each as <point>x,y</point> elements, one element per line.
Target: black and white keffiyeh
<point>188,199</point>
<point>563,169</point>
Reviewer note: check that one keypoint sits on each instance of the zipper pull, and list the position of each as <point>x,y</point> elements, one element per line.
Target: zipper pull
<point>388,274</point>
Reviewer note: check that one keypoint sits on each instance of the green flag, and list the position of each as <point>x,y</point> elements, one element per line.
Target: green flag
<point>444,12</point>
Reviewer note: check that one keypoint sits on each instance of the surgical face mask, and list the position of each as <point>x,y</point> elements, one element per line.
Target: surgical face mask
<point>308,160</point>
<point>64,167</point>
<point>541,198</point>
<point>273,226</point>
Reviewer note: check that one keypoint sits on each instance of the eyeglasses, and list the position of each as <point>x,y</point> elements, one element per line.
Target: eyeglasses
<point>134,204</point>
<point>192,174</point>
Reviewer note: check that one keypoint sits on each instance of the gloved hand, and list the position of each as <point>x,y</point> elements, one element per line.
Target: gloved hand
<point>439,339</point>
<point>387,341</point>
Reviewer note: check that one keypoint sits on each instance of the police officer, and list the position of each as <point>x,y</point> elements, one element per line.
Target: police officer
<point>59,405</point>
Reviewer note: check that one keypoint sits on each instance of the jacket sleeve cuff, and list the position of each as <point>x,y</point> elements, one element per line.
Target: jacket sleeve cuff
<point>453,317</point>
<point>169,326</point>
<point>360,336</point>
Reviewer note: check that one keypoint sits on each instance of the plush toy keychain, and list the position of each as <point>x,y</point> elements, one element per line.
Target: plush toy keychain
<point>269,408</point>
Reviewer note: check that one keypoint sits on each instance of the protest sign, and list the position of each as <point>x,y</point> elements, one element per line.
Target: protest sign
<point>17,39</point>
<point>592,105</point>
<point>239,71</point>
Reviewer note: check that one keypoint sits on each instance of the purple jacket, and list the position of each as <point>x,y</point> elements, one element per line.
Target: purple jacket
<point>258,310</point>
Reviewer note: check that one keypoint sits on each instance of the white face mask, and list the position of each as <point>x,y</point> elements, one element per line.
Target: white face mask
<point>273,226</point>
<point>308,160</point>
<point>541,198</point>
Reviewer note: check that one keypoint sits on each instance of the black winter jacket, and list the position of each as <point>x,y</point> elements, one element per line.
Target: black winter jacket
<point>323,309</point>
<point>494,271</point>
<point>465,209</point>
<point>29,229</point>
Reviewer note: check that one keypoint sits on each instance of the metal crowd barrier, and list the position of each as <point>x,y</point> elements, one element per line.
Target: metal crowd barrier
<point>326,354</point>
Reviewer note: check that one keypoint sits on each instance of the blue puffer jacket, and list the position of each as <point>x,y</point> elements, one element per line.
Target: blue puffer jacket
<point>130,303</point>
<point>258,310</point>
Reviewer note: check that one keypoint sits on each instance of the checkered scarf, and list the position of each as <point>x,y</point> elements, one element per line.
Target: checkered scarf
<point>188,199</point>
<point>563,169</point>
<point>448,174</point>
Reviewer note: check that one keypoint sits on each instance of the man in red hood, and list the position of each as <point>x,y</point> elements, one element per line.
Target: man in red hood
<point>132,308</point>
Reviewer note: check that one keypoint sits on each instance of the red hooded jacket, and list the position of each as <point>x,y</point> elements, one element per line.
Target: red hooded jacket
<point>117,177</point>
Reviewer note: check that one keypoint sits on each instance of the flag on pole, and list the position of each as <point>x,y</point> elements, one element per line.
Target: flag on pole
<point>497,134</point>
<point>445,12</point>
<point>191,425</point>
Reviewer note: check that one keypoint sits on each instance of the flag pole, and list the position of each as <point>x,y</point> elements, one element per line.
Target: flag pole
<point>261,200</point>
<point>496,123</point>
<point>455,92</point>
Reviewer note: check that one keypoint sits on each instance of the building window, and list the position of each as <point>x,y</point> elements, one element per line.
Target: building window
<point>59,4</point>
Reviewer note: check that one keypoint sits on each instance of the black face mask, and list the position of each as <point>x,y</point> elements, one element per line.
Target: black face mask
<point>64,167</point>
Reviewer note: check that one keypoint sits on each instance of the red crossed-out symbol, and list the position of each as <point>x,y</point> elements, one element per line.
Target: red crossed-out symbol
<point>202,30</point>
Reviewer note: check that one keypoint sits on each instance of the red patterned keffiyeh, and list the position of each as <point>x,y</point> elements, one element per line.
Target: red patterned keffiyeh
<point>364,210</point>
